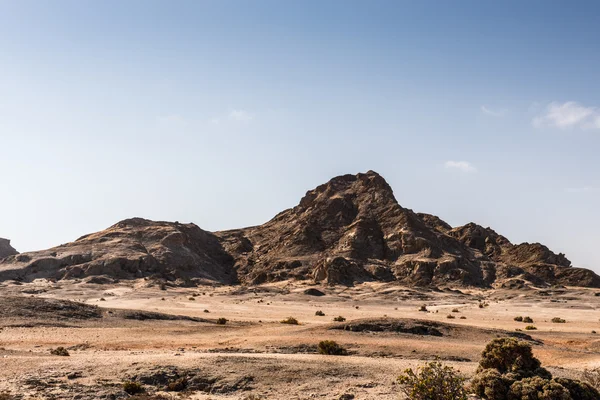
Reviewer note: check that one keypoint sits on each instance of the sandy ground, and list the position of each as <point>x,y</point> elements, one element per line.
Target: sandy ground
<point>254,356</point>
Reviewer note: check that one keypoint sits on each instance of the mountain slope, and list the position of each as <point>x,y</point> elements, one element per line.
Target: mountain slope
<point>133,248</point>
<point>350,229</point>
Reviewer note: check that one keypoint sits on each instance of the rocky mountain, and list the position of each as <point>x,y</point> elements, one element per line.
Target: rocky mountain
<point>6,249</point>
<point>132,248</point>
<point>349,230</point>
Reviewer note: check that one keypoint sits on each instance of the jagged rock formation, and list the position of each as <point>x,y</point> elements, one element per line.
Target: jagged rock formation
<point>348,230</point>
<point>6,249</point>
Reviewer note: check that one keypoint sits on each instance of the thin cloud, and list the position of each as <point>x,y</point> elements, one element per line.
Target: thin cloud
<point>241,115</point>
<point>463,166</point>
<point>567,116</point>
<point>493,113</point>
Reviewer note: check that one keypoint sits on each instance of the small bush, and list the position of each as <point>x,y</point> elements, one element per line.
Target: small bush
<point>60,351</point>
<point>536,388</point>
<point>192,299</point>
<point>528,320</point>
<point>530,328</point>
<point>131,387</point>
<point>6,396</point>
<point>455,310</point>
<point>450,316</point>
<point>433,381</point>
<point>290,320</point>
<point>221,321</point>
<point>339,319</point>
<point>463,317</point>
<point>206,311</point>
<point>331,348</point>
<point>519,319</point>
<point>423,308</point>
<point>558,320</point>
<point>509,355</point>
<point>320,313</point>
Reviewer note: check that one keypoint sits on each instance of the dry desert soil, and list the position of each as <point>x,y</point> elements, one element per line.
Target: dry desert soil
<point>134,331</point>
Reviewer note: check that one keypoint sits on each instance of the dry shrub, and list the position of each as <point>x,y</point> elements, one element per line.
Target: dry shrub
<point>331,348</point>
<point>433,381</point>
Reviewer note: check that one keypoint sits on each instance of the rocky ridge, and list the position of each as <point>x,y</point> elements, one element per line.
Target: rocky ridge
<point>6,249</point>
<point>350,229</point>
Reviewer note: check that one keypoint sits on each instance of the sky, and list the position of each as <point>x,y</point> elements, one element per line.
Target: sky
<point>224,113</point>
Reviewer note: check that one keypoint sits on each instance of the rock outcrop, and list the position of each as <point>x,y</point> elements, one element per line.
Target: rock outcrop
<point>6,249</point>
<point>133,248</point>
<point>349,230</point>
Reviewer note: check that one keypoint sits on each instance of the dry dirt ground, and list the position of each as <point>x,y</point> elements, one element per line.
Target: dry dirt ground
<point>128,331</point>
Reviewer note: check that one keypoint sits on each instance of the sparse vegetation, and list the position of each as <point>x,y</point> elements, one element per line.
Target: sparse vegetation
<point>290,321</point>
<point>519,319</point>
<point>558,320</point>
<point>450,316</point>
<point>433,381</point>
<point>423,308</point>
<point>530,328</point>
<point>60,351</point>
<point>206,311</point>
<point>331,348</point>
<point>221,321</point>
<point>320,313</point>
<point>131,387</point>
<point>339,318</point>
<point>528,320</point>
<point>463,317</point>
<point>455,310</point>
<point>509,371</point>
<point>191,299</point>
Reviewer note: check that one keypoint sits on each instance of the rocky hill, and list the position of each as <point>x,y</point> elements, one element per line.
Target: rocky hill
<point>349,230</point>
<point>6,249</point>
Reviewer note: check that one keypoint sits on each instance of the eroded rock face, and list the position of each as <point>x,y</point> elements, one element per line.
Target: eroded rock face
<point>133,248</point>
<point>6,249</point>
<point>350,229</point>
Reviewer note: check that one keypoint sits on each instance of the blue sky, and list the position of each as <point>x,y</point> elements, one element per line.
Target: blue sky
<point>224,113</point>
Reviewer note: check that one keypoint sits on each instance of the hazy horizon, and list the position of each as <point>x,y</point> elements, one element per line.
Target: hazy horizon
<point>225,113</point>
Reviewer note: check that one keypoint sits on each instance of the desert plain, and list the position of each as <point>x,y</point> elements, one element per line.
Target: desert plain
<point>155,334</point>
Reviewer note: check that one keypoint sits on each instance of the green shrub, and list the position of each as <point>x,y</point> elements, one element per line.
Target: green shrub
<point>221,321</point>
<point>490,384</point>
<point>536,388</point>
<point>519,319</point>
<point>433,381</point>
<point>558,320</point>
<point>60,351</point>
<point>509,355</point>
<point>331,348</point>
<point>528,320</point>
<point>579,390</point>
<point>508,371</point>
<point>339,319</point>
<point>290,320</point>
<point>320,313</point>
<point>132,387</point>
